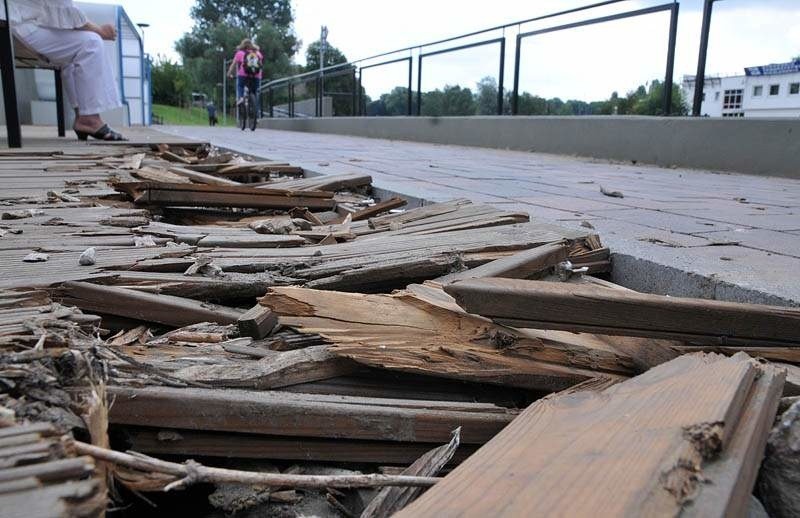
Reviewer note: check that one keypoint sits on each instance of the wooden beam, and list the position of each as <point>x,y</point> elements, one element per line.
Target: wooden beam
<point>148,193</point>
<point>163,309</point>
<point>157,441</point>
<point>552,305</point>
<point>305,415</point>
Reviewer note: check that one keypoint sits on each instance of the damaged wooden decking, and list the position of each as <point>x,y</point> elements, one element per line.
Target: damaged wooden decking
<point>235,311</point>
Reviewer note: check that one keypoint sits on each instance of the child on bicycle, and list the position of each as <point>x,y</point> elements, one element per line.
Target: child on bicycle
<point>249,64</point>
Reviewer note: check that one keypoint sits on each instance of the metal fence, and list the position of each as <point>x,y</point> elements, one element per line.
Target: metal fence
<point>283,92</point>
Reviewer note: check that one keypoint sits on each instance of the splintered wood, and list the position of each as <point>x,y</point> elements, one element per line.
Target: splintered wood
<point>660,460</point>
<point>402,332</point>
<point>295,328</point>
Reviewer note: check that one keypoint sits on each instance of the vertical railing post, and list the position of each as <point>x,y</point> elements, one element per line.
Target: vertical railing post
<point>318,97</point>
<point>360,95</point>
<point>515,94</point>
<point>291,100</point>
<point>419,85</point>
<point>700,76</point>
<point>60,119</point>
<point>673,32</point>
<point>501,76</point>
<point>355,85</point>
<point>271,103</point>
<point>410,93</point>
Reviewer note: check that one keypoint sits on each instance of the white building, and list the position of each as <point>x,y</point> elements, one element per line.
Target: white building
<point>763,91</point>
<point>36,96</point>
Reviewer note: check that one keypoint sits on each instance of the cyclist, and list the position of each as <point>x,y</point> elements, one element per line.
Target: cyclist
<point>248,63</point>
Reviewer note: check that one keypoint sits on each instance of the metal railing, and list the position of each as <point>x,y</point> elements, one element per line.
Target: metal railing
<point>357,68</point>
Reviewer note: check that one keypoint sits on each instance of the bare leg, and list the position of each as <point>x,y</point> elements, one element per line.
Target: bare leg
<point>88,123</point>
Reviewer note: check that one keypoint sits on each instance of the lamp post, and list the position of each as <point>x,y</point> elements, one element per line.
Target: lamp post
<point>224,86</point>
<point>143,26</point>
<point>323,44</point>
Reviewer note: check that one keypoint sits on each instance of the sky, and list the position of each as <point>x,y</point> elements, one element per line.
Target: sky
<point>586,63</point>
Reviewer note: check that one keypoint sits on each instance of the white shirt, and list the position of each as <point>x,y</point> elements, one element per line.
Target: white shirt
<point>26,15</point>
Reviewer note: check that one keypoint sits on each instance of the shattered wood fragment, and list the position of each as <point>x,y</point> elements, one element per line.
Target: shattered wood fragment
<point>257,322</point>
<point>549,305</point>
<point>390,500</point>
<point>681,419</point>
<point>275,370</point>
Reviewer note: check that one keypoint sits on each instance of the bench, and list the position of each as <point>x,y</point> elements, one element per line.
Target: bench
<point>15,54</point>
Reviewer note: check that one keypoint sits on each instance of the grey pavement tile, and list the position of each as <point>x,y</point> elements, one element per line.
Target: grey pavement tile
<point>752,218</point>
<point>783,243</point>
<point>615,229</point>
<point>666,221</point>
<point>554,201</point>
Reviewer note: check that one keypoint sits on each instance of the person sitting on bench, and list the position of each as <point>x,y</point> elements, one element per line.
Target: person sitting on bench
<point>59,31</point>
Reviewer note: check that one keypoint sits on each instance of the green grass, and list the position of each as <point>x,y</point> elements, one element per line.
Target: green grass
<point>187,116</point>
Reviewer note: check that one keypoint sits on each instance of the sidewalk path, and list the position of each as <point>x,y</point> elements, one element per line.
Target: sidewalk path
<point>675,231</point>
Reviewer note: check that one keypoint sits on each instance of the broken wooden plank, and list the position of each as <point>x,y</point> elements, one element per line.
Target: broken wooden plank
<point>728,481</point>
<point>279,369</point>
<point>305,415</point>
<point>257,322</point>
<point>199,177</point>
<point>163,309</point>
<point>678,418</point>
<point>402,332</point>
<point>388,501</point>
<point>549,305</point>
<point>332,183</point>
<point>521,265</point>
<point>379,208</point>
<point>224,196</point>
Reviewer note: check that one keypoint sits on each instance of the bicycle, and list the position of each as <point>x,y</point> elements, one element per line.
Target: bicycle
<point>247,109</point>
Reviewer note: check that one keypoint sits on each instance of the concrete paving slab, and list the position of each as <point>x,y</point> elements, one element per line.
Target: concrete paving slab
<point>661,233</point>
<point>667,221</point>
<point>783,243</point>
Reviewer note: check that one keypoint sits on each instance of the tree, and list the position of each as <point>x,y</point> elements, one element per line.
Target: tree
<point>333,56</point>
<point>170,83</point>
<point>219,27</point>
<point>486,96</point>
<point>246,14</point>
<point>339,87</point>
<point>452,100</point>
<point>396,101</point>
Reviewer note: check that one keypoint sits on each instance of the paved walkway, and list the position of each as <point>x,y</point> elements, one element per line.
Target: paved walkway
<point>676,231</point>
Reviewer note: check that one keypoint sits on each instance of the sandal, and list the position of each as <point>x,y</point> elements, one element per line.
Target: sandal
<point>104,133</point>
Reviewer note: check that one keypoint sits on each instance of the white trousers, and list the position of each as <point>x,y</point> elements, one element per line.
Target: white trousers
<point>85,70</point>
